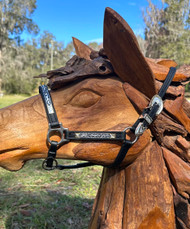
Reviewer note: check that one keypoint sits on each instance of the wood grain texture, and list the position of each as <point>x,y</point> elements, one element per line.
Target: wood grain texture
<point>149,206</point>
<point>186,107</point>
<point>77,69</point>
<point>185,69</point>
<point>139,100</point>
<point>161,71</point>
<point>108,206</point>
<point>164,62</point>
<point>123,51</point>
<point>182,211</point>
<point>179,172</point>
<point>175,108</point>
<point>124,201</point>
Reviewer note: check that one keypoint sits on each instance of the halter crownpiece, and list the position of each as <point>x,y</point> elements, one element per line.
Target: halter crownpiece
<point>148,115</point>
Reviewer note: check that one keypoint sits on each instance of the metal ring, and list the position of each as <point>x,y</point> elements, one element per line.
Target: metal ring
<point>44,165</point>
<point>60,130</point>
<point>136,137</point>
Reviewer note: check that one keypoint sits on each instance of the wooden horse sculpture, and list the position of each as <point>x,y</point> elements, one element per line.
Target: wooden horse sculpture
<point>107,90</point>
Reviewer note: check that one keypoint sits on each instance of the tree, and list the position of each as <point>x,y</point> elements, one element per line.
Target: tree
<point>153,20</point>
<point>142,44</point>
<point>15,17</point>
<point>95,46</point>
<point>167,30</point>
<point>18,68</point>
<point>53,52</point>
<point>20,61</point>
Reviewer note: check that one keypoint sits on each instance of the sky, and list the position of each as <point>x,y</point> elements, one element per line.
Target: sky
<point>83,19</point>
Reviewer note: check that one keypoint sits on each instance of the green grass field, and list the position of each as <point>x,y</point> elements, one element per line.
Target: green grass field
<point>33,198</point>
<point>7,100</point>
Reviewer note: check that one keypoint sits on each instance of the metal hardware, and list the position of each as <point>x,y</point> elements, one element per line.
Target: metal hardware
<point>96,135</point>
<point>60,131</point>
<point>148,119</point>
<point>136,136</point>
<point>44,164</point>
<point>157,99</point>
<point>140,129</point>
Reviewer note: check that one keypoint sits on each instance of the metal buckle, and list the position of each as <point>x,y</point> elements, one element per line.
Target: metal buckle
<point>157,99</point>
<point>59,131</point>
<point>136,137</point>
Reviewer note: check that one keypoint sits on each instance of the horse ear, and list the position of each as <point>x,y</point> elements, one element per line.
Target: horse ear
<point>123,51</point>
<point>81,49</point>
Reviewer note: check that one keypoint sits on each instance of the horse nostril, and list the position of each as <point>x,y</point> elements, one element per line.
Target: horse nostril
<point>102,68</point>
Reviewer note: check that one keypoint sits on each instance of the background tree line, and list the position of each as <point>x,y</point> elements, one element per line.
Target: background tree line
<point>166,35</point>
<point>167,31</point>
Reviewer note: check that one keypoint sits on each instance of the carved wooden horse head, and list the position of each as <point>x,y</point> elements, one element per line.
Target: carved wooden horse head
<point>107,90</point>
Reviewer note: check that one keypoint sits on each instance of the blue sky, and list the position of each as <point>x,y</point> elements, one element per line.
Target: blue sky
<point>83,19</point>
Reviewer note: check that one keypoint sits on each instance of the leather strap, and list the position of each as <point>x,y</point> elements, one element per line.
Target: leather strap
<point>49,107</point>
<point>148,116</point>
<point>48,163</point>
<point>96,135</point>
<point>121,155</point>
<point>75,166</point>
<point>167,82</point>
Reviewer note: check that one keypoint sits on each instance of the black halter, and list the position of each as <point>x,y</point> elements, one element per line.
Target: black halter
<point>55,128</point>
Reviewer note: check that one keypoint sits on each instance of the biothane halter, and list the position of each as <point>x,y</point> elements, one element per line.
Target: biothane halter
<point>55,128</point>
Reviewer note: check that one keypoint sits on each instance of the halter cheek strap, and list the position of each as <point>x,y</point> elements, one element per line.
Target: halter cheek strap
<point>55,128</point>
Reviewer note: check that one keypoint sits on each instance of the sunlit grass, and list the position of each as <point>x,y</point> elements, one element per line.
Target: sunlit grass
<point>7,100</point>
<point>35,198</point>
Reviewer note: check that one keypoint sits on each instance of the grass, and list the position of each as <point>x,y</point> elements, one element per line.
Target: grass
<point>7,100</point>
<point>33,198</point>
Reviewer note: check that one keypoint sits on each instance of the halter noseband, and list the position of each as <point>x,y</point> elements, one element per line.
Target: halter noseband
<point>55,128</point>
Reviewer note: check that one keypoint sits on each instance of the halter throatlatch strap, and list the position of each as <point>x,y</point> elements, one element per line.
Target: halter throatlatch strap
<point>55,128</point>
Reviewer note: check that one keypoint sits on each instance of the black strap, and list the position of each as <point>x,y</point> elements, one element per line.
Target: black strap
<point>148,116</point>
<point>121,155</point>
<point>48,163</point>
<point>75,166</point>
<point>96,135</point>
<point>167,82</point>
<point>49,107</point>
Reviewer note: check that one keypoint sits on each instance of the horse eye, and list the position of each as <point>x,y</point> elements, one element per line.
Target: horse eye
<point>85,99</point>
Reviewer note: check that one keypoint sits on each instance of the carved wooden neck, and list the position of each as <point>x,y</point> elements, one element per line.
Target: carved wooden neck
<point>145,198</point>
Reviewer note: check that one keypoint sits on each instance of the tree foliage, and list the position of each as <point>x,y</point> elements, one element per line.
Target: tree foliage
<point>20,61</point>
<point>167,31</point>
<point>15,17</point>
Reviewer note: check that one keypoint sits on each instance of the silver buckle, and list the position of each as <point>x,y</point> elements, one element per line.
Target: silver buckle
<point>157,99</point>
